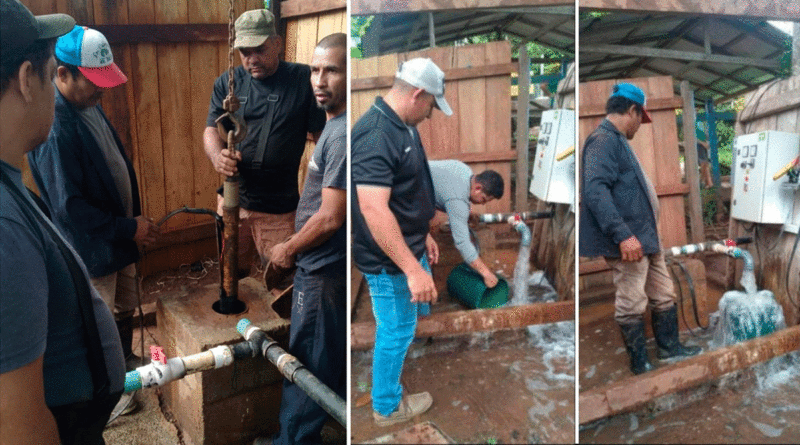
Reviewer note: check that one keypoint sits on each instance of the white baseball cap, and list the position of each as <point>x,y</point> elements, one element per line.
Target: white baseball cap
<point>89,50</point>
<point>423,73</point>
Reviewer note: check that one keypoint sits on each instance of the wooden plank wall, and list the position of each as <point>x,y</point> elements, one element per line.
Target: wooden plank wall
<point>775,106</point>
<point>656,146</point>
<point>479,131</point>
<point>160,112</point>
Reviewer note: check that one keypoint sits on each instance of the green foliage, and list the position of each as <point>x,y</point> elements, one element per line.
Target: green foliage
<point>358,27</point>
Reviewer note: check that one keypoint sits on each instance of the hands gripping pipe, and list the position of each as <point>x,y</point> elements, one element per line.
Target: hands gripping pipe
<point>256,342</point>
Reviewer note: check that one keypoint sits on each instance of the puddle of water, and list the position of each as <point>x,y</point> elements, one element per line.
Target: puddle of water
<point>747,315</point>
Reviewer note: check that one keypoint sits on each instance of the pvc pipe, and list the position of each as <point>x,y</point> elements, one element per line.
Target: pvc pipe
<point>523,229</point>
<point>503,217</point>
<point>159,374</point>
<point>294,371</point>
<point>735,252</point>
<point>704,246</point>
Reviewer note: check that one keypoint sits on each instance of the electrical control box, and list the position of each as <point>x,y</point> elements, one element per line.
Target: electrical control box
<point>757,157</point>
<point>553,180</point>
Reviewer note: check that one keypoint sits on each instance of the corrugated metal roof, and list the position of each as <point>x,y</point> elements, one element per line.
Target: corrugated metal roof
<point>552,27</point>
<point>662,44</point>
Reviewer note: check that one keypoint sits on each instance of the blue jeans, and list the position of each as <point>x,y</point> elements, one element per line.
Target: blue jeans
<point>395,322</point>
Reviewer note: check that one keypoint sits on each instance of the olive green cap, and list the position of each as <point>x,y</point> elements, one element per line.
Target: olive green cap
<point>253,28</point>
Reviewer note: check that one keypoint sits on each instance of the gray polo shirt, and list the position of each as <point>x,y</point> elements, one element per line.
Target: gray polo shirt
<point>451,185</point>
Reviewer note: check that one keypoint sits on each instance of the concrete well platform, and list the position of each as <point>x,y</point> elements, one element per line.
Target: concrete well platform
<point>235,404</point>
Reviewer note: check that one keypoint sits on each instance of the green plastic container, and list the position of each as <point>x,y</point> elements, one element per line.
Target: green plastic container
<point>467,286</point>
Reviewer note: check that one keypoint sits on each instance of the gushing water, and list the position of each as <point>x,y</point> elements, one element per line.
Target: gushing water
<point>521,277</point>
<point>747,315</point>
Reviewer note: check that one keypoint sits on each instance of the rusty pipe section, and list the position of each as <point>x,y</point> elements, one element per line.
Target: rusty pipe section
<point>633,392</point>
<point>229,302</point>
<point>294,371</point>
<point>362,335</point>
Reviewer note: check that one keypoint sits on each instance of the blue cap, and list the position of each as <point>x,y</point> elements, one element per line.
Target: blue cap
<point>634,93</point>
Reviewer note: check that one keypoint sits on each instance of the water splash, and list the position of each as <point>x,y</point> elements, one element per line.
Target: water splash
<point>748,282</point>
<point>744,316</point>
<point>521,277</point>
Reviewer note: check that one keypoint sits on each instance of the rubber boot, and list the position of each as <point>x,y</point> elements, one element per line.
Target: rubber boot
<point>665,328</point>
<point>633,335</point>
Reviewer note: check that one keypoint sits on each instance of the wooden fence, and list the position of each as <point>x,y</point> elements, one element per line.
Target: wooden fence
<point>477,86</point>
<point>172,51</point>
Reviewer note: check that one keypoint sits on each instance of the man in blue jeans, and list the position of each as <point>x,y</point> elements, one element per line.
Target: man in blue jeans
<point>392,207</point>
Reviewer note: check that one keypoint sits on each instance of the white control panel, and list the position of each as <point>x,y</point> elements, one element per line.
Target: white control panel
<point>756,196</point>
<point>553,180</point>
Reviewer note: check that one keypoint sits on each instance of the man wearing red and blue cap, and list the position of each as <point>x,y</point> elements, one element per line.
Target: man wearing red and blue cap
<point>87,180</point>
<point>619,221</point>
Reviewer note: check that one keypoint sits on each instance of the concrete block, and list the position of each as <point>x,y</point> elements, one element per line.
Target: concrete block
<point>227,405</point>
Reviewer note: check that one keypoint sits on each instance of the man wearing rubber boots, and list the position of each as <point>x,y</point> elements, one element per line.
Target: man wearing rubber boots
<point>619,220</point>
<point>318,333</point>
<point>391,209</point>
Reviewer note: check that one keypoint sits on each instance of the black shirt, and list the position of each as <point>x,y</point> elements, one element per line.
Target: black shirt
<point>388,153</point>
<point>272,188</point>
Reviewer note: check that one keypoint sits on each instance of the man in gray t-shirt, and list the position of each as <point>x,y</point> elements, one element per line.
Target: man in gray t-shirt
<point>455,187</point>
<point>317,336</point>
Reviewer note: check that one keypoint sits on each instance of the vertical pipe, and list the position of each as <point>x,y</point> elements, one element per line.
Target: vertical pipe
<point>690,162</point>
<point>523,102</point>
<point>431,31</point>
<point>713,150</point>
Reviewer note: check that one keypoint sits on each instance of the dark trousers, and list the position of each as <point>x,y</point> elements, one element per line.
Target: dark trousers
<point>82,423</point>
<point>318,338</point>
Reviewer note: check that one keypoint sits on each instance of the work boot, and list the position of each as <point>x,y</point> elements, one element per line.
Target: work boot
<point>665,329</point>
<point>410,406</point>
<point>633,335</point>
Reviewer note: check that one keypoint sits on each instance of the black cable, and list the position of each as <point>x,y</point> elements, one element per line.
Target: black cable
<point>692,293</point>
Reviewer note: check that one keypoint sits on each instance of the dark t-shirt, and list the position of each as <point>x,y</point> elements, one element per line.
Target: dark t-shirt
<point>272,188</point>
<point>327,168</point>
<point>39,311</point>
<point>388,153</point>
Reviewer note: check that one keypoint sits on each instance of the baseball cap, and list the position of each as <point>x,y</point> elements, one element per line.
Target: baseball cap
<point>253,28</point>
<point>19,29</point>
<point>89,50</point>
<point>634,93</point>
<point>423,73</point>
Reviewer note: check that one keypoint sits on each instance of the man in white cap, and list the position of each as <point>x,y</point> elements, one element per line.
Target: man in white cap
<point>278,106</point>
<point>88,181</point>
<point>392,207</point>
<point>61,365</point>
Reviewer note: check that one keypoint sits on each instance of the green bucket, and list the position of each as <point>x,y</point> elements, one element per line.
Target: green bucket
<point>467,286</point>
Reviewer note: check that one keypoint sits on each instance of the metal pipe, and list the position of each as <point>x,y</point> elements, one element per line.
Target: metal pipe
<point>229,302</point>
<point>362,335</point>
<point>633,392</point>
<point>294,371</point>
<point>503,217</point>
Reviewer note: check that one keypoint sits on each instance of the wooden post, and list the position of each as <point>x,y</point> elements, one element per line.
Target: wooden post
<point>690,163</point>
<point>523,102</point>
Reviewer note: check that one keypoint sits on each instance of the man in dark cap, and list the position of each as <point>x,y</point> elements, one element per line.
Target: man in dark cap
<point>619,221</point>
<point>59,346</point>
<point>278,106</point>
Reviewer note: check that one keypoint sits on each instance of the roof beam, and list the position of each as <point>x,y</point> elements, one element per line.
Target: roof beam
<point>642,51</point>
<point>373,7</point>
<point>763,9</point>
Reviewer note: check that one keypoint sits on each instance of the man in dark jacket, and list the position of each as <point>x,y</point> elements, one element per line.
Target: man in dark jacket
<point>619,221</point>
<point>87,180</point>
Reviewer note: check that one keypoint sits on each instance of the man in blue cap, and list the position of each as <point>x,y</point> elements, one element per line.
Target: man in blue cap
<point>619,221</point>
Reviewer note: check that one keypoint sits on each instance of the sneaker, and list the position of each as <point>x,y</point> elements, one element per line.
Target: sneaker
<point>128,404</point>
<point>411,405</point>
